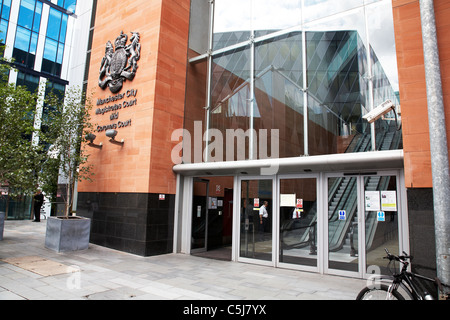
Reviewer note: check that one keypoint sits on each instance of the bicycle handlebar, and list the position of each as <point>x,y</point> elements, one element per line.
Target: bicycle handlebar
<point>402,258</point>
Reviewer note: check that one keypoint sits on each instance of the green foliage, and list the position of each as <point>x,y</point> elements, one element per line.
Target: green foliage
<point>19,157</point>
<point>32,157</point>
<point>67,124</point>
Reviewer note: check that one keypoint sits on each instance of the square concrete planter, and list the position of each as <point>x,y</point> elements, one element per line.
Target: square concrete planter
<point>2,224</point>
<point>65,234</point>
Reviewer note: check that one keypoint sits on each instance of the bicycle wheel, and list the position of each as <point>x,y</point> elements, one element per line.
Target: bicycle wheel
<point>379,293</point>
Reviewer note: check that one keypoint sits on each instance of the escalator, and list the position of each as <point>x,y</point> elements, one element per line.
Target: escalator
<point>342,196</point>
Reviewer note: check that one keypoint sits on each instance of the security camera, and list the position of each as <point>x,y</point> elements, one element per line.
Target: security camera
<point>91,137</point>
<point>379,111</point>
<point>111,133</point>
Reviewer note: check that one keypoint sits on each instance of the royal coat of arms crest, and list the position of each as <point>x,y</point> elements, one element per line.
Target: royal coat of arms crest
<point>120,62</point>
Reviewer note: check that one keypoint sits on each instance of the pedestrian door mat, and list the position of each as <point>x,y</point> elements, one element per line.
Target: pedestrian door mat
<point>41,266</point>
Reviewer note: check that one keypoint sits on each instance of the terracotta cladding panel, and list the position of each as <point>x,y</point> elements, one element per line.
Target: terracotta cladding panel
<point>413,97</point>
<point>116,168</point>
<point>169,92</point>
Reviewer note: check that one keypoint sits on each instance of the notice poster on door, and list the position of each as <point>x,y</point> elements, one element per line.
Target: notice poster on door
<point>287,200</point>
<point>372,200</point>
<point>388,200</point>
<point>212,203</point>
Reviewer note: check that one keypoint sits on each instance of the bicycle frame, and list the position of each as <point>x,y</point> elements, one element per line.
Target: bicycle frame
<point>410,283</point>
<point>394,284</point>
<point>416,288</point>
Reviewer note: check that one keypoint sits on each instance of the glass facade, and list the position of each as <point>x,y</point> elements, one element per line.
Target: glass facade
<point>291,78</point>
<point>55,42</point>
<point>27,33</point>
<point>5,9</point>
<point>69,5</point>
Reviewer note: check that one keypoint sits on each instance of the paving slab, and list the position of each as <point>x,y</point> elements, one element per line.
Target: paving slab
<point>29,271</point>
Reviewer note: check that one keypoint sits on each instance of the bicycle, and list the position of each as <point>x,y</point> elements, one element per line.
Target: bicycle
<point>401,284</point>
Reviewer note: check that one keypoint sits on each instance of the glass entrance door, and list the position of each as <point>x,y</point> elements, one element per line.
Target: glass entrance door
<point>342,223</point>
<point>199,215</point>
<point>381,208</point>
<point>257,207</point>
<point>298,228</point>
<point>363,219</point>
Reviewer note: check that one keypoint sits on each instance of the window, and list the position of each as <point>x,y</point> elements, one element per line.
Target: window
<point>310,69</point>
<point>5,8</point>
<point>28,25</point>
<point>54,42</point>
<point>69,5</point>
<point>52,89</point>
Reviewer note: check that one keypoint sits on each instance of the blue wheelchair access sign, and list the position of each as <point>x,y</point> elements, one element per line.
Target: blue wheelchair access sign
<point>380,216</point>
<point>342,214</point>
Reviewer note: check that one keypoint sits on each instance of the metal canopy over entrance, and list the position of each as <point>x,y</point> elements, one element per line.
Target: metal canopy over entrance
<point>378,160</point>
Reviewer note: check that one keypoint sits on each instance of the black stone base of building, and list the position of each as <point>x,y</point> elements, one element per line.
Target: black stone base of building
<point>421,231</point>
<point>131,222</point>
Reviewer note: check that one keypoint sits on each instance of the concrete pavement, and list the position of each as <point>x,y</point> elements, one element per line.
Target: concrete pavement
<point>29,271</point>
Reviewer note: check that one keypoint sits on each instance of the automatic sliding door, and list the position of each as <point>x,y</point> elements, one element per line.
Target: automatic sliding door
<point>343,250</point>
<point>199,231</point>
<point>381,221</point>
<point>298,221</point>
<point>256,219</point>
<point>363,219</point>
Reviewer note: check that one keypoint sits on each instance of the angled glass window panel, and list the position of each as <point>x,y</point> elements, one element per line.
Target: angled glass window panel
<point>271,16</point>
<point>50,49</point>
<point>279,95</point>
<point>380,24</point>
<point>335,95</point>
<point>37,17</point>
<point>3,30</point>
<point>33,43</point>
<point>232,17</point>
<point>194,109</point>
<point>62,34</point>
<point>318,9</point>
<point>54,23</point>
<point>22,39</point>
<point>26,13</point>
<point>353,20</point>
<point>230,72</point>
<point>230,98</point>
<point>231,119</point>
<point>70,5</point>
<point>60,54</point>
<point>383,63</point>
<point>6,9</point>
<point>283,55</point>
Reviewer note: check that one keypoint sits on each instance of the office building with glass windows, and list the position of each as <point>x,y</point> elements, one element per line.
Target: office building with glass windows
<point>48,42</point>
<point>239,129</point>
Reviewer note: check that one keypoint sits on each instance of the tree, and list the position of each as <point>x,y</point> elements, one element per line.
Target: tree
<point>66,124</point>
<point>20,158</point>
<point>33,156</point>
